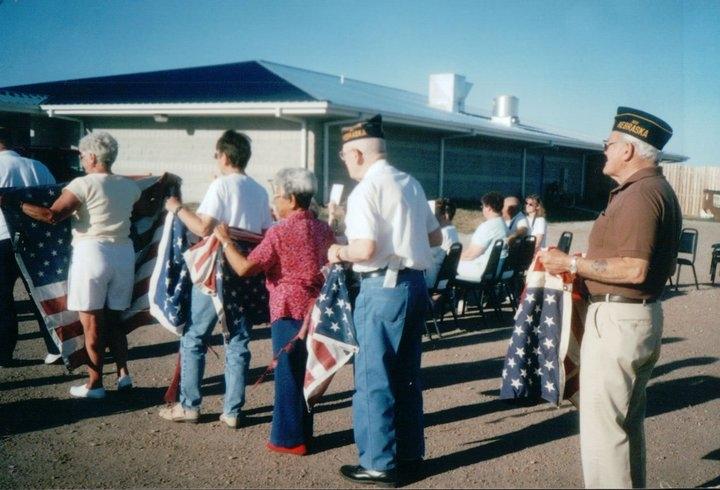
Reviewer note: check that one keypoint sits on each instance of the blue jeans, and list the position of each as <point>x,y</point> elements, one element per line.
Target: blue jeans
<point>292,424</point>
<point>193,347</point>
<point>387,404</point>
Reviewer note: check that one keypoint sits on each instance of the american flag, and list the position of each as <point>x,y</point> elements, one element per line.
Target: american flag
<point>182,264</point>
<point>543,358</point>
<point>43,254</point>
<point>330,338</point>
<point>170,283</point>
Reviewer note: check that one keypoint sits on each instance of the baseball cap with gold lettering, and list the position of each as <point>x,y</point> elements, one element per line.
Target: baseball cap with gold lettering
<point>643,126</point>
<point>371,128</point>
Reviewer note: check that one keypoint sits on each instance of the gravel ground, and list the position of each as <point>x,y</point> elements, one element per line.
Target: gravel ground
<point>473,439</point>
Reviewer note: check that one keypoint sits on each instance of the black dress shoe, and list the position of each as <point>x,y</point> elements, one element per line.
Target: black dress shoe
<point>358,474</point>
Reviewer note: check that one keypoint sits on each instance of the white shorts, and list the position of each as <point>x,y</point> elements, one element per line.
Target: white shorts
<point>101,274</point>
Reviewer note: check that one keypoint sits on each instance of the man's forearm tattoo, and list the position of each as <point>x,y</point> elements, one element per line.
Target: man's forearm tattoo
<point>599,265</point>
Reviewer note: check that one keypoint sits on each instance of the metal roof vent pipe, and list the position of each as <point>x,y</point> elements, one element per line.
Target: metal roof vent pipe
<point>505,110</point>
<point>447,91</point>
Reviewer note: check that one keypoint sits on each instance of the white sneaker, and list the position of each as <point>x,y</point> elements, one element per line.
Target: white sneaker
<point>52,358</point>
<point>124,383</point>
<point>229,420</point>
<point>83,391</point>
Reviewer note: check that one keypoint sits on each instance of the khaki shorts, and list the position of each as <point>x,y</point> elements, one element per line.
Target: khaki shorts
<point>101,274</point>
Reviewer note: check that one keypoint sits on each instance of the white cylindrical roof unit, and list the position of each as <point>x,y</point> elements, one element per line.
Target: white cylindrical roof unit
<point>505,106</point>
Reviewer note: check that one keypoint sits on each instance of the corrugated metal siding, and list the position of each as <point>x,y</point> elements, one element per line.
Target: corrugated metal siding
<point>478,165</point>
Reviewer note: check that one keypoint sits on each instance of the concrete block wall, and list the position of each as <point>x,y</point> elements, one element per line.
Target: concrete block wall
<point>185,146</point>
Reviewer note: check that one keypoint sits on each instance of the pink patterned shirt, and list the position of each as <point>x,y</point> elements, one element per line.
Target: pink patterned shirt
<point>291,255</point>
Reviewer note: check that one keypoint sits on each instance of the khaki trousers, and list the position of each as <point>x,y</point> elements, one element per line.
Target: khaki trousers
<point>620,346</point>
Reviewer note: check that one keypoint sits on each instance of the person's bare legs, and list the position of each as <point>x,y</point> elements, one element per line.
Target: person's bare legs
<point>93,328</point>
<point>117,341</point>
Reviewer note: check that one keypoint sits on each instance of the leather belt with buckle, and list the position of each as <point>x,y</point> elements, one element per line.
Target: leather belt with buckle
<point>368,275</point>
<point>616,298</point>
<point>375,273</point>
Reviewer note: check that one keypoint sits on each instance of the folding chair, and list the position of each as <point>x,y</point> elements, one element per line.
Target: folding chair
<point>687,247</point>
<point>565,241</point>
<point>485,285</point>
<point>442,293</point>
<point>520,256</point>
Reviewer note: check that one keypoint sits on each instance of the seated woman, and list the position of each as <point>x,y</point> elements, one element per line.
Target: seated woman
<point>102,267</point>
<point>291,255</point>
<point>474,258</point>
<point>444,212</point>
<point>535,212</point>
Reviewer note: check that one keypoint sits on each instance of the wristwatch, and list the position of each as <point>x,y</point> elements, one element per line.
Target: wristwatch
<point>177,210</point>
<point>573,265</point>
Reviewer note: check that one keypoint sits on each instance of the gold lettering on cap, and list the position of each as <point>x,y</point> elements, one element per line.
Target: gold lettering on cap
<point>354,133</point>
<point>632,127</point>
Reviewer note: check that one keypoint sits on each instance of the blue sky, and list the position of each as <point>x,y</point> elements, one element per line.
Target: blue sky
<point>571,63</point>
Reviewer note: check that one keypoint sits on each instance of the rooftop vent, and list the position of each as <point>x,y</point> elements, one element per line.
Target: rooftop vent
<point>447,91</point>
<point>505,110</point>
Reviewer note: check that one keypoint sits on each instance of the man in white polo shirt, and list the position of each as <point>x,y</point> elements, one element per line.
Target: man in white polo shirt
<point>390,229</point>
<point>15,171</point>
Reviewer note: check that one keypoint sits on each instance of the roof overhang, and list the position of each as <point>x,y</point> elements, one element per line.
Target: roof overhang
<point>24,109</point>
<point>190,109</point>
<point>325,108</point>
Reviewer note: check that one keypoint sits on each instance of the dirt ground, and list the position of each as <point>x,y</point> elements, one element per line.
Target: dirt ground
<point>48,439</point>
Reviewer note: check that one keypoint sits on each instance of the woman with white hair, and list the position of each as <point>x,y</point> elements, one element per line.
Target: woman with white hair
<point>291,255</point>
<point>101,273</point>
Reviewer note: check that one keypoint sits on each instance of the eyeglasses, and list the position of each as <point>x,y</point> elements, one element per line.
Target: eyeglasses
<point>527,203</point>
<point>607,145</point>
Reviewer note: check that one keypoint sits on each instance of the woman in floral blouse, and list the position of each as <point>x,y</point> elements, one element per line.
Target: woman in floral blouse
<point>290,255</point>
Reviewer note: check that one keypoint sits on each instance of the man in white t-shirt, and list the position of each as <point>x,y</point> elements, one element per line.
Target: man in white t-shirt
<point>16,171</point>
<point>474,258</point>
<point>390,229</point>
<point>239,201</point>
<point>515,220</point>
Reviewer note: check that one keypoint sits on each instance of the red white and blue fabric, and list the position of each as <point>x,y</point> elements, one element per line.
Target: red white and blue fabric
<point>203,263</point>
<point>330,338</point>
<point>543,358</point>
<point>43,254</point>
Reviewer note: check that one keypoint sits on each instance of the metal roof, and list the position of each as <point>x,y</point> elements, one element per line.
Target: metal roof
<point>246,82</point>
<point>266,88</point>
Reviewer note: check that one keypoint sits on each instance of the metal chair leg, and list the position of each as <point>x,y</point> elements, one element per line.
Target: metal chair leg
<point>695,276</point>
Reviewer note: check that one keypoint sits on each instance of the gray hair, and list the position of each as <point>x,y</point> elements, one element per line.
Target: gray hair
<point>645,150</point>
<point>102,145</point>
<point>296,182</point>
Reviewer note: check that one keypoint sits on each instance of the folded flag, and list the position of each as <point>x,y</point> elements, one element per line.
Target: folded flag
<point>330,339</point>
<point>543,358</point>
<point>43,254</point>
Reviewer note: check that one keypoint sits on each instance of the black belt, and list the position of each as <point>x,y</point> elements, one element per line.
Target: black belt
<point>375,273</point>
<point>616,298</point>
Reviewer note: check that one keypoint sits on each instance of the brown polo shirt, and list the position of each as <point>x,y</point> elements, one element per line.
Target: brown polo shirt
<point>643,221</point>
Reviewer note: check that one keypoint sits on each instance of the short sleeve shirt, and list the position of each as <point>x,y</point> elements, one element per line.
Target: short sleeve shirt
<point>17,171</point>
<point>642,220</point>
<point>107,203</point>
<point>291,255</point>
<point>389,207</point>
<point>239,201</point>
<point>539,227</point>
<point>486,235</point>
